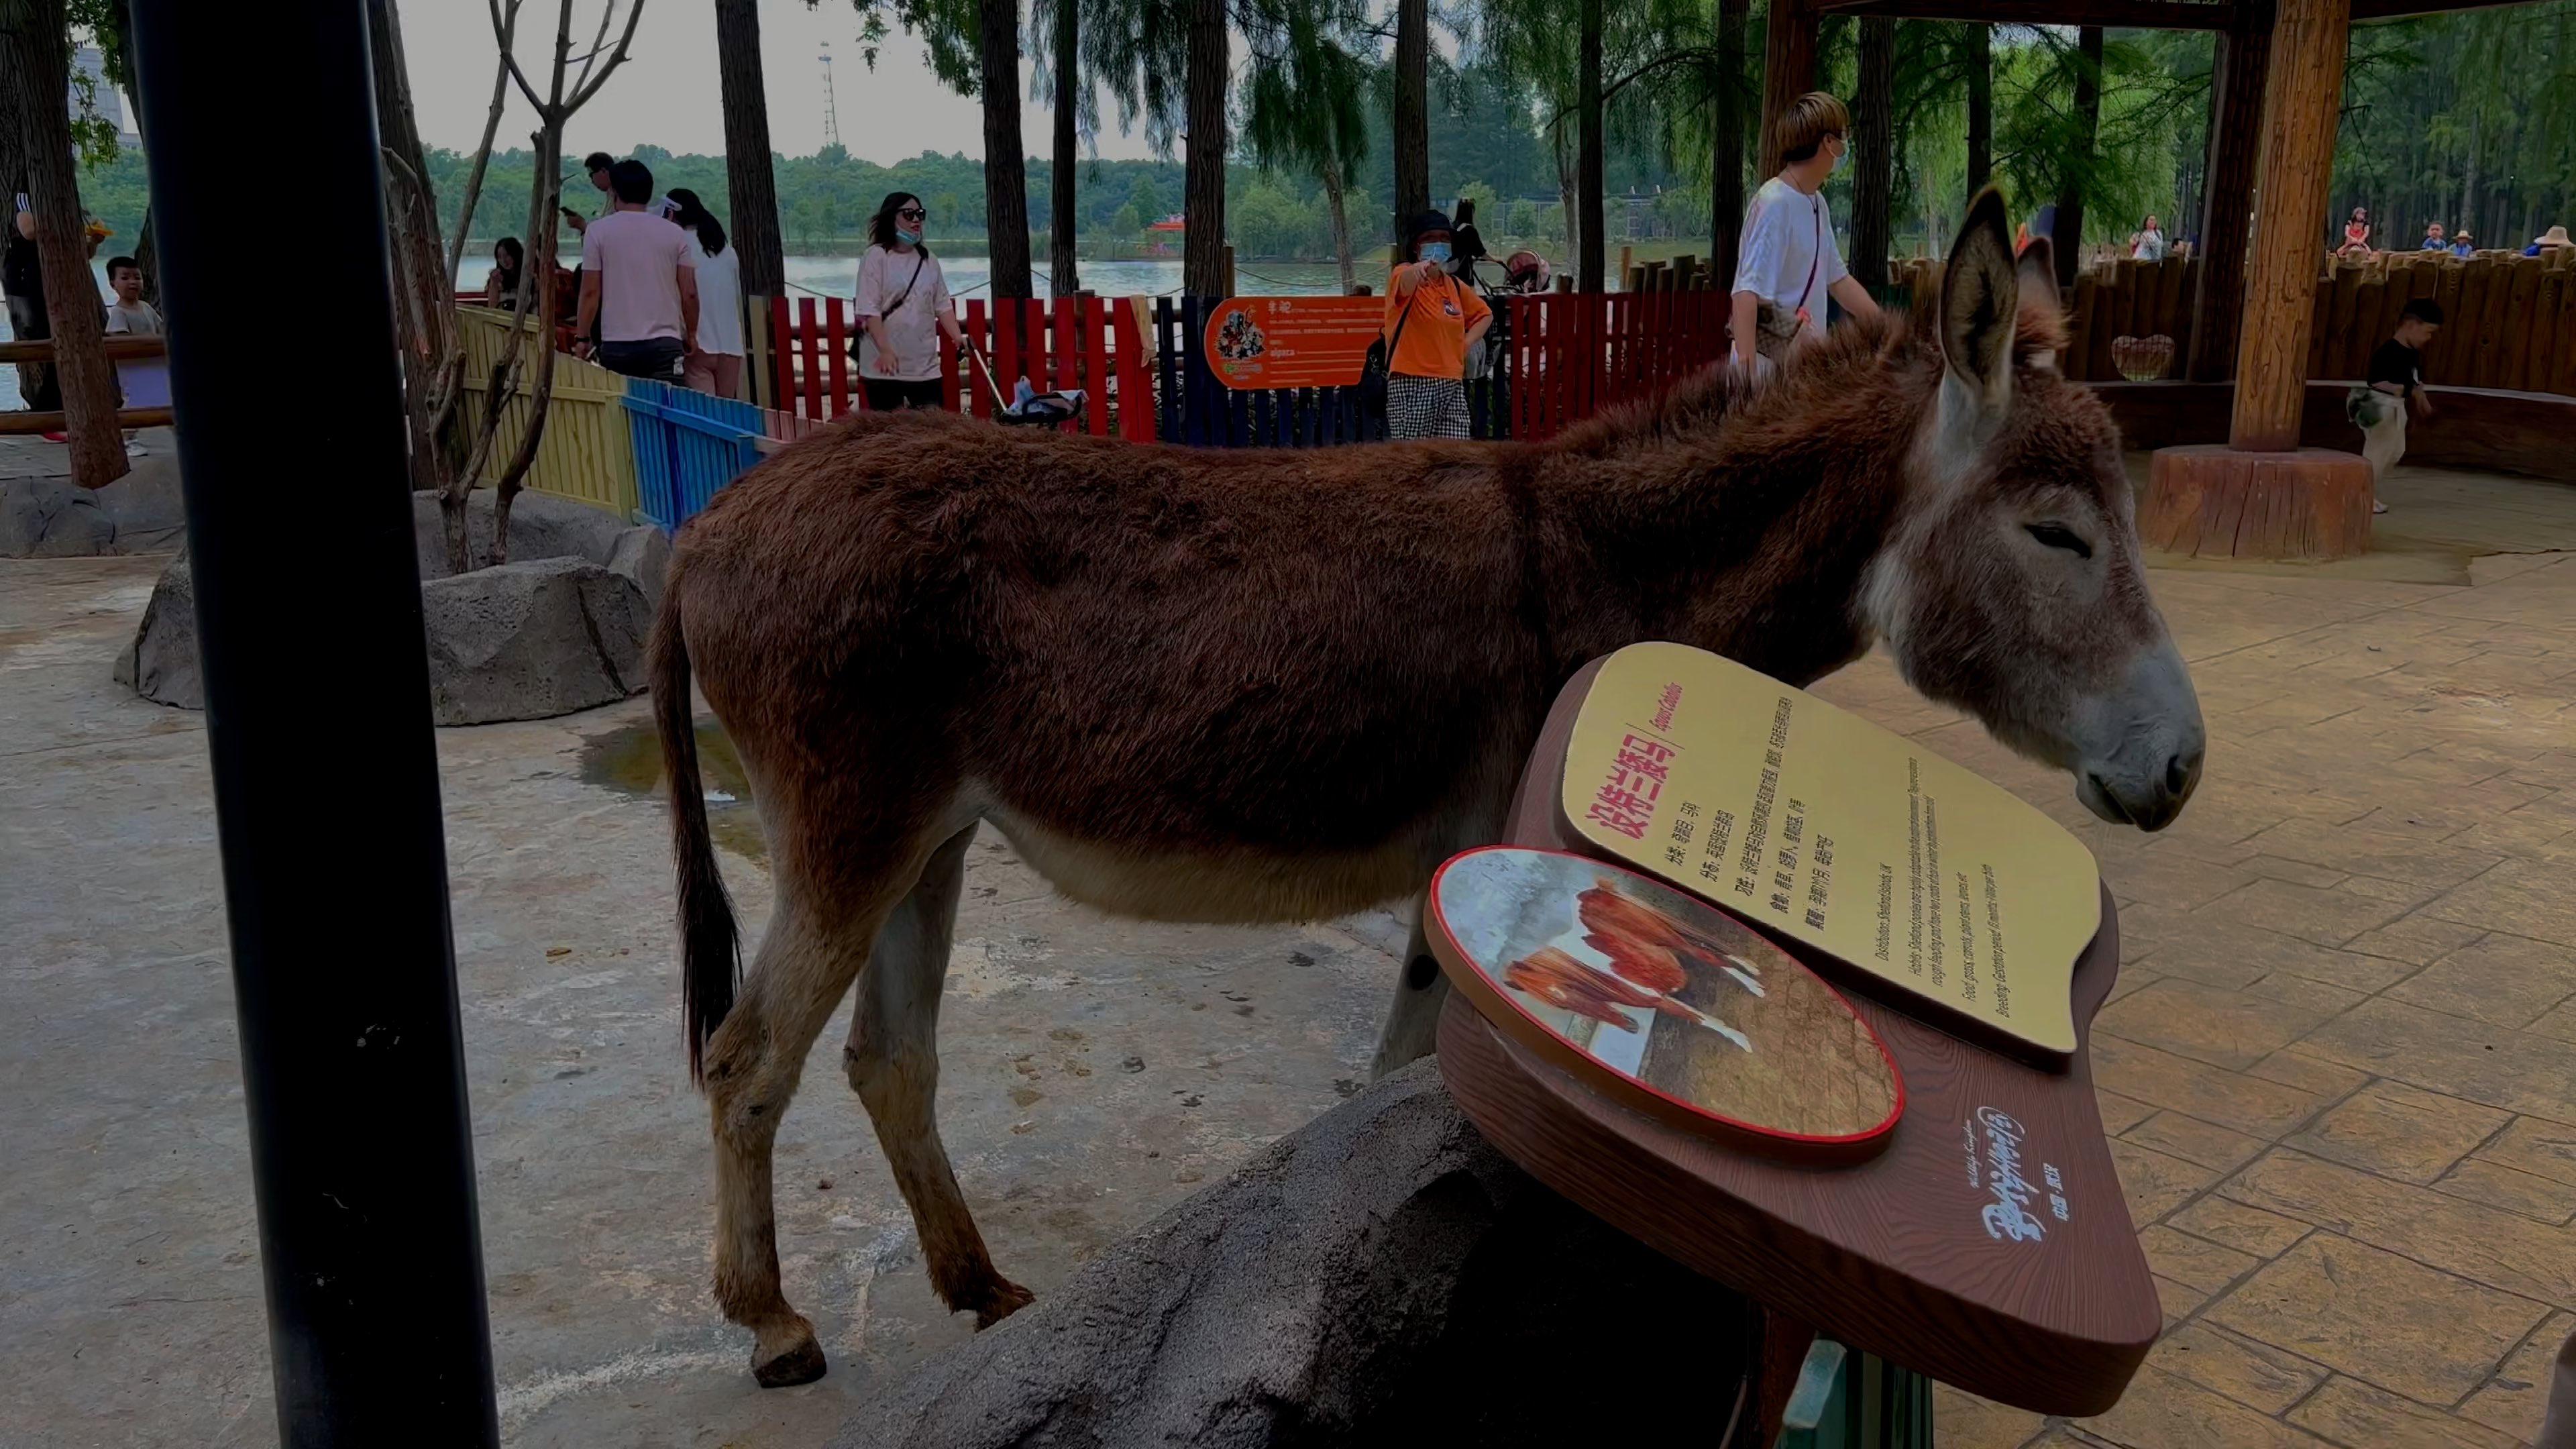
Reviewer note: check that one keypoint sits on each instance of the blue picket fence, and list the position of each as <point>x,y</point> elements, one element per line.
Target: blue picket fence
<point>687,445</point>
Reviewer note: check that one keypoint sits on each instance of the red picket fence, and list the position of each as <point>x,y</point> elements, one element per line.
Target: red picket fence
<point>1566,356</point>
<point>1572,354</point>
<point>1091,343</point>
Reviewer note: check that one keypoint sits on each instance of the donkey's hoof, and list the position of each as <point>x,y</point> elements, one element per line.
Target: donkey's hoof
<point>1000,1301</point>
<point>802,1363</point>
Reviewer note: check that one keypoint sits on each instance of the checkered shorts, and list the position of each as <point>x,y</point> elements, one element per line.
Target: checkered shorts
<point>1425,407</point>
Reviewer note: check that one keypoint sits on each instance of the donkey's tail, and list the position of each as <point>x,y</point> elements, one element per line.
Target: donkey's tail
<point>710,950</point>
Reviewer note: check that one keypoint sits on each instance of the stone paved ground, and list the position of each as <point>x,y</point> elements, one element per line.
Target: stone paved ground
<point>2339,1070</point>
<point>2341,1063</point>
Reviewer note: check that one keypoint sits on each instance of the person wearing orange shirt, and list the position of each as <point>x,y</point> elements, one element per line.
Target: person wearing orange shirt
<point>1431,320</point>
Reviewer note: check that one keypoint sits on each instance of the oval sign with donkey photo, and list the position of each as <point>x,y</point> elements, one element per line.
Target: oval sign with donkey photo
<point>1663,1003</point>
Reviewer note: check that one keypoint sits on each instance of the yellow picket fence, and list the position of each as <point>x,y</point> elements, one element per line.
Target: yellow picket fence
<point>587,452</point>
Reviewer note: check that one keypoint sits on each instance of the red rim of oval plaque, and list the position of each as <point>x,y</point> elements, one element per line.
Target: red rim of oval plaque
<point>1524,1027</point>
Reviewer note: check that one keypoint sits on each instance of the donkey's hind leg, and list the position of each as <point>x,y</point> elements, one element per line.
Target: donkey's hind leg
<point>893,1061</point>
<point>813,947</point>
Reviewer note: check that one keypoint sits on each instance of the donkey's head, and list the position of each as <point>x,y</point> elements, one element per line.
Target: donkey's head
<point>2013,587</point>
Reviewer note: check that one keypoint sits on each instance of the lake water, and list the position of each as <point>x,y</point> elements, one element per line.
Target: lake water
<point>968,276</point>
<point>967,279</point>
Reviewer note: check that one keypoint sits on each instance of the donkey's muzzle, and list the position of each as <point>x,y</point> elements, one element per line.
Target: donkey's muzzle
<point>2139,748</point>
<point>2150,804</point>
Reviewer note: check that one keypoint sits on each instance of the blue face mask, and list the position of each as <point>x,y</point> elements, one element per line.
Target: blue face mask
<point>908,238</point>
<point>1842,156</point>
<point>1435,251</point>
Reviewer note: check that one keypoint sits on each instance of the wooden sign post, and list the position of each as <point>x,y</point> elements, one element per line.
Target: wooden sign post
<point>1987,1243</point>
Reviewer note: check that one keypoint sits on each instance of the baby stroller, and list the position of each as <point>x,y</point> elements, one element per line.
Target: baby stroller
<point>1026,407</point>
<point>1524,272</point>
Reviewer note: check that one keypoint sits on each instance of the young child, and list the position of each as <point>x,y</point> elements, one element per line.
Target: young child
<point>145,380</point>
<point>2394,384</point>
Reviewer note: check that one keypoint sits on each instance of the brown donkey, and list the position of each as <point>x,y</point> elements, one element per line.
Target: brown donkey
<point>1240,686</point>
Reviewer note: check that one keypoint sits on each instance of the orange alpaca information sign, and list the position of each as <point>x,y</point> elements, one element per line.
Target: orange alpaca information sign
<point>1292,341</point>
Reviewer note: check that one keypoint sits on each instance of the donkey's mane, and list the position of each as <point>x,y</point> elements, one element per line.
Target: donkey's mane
<point>1893,348</point>
<point>1817,374</point>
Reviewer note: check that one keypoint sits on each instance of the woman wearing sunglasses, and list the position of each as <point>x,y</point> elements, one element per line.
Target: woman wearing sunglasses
<point>903,310</point>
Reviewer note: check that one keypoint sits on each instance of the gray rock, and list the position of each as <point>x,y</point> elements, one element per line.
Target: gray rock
<point>51,518</point>
<point>161,663</point>
<point>47,516</point>
<point>529,640</point>
<point>1381,1276</point>
<point>541,526</point>
<point>644,556</point>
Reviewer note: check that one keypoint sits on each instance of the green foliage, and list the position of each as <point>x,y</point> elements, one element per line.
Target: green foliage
<point>2467,117</point>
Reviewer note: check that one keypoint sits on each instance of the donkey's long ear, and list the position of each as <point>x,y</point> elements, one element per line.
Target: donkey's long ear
<point>2041,330</point>
<point>1980,312</point>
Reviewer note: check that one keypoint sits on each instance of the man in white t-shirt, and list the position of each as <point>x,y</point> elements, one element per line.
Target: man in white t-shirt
<point>639,282</point>
<point>1789,263</point>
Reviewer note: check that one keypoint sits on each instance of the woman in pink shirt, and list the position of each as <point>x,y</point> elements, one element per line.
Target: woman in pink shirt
<point>903,310</point>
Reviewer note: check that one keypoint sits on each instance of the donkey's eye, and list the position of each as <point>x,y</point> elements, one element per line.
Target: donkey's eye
<point>2058,535</point>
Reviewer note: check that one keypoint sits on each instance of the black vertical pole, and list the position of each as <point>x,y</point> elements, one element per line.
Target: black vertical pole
<point>292,451</point>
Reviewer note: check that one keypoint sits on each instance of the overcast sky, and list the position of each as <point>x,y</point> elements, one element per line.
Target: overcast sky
<point>666,93</point>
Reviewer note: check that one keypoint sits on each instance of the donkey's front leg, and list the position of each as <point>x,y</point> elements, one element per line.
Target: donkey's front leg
<point>752,1063</point>
<point>1413,1022</point>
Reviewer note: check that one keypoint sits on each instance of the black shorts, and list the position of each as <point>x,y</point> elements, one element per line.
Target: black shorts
<point>655,357</point>
<point>886,394</point>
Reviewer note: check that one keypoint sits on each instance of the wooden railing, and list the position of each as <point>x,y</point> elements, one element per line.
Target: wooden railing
<point>119,348</point>
<point>2509,321</point>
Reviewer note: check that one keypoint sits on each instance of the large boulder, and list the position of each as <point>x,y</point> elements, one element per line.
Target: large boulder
<point>43,514</point>
<point>561,630</point>
<point>544,526</point>
<point>1381,1276</point>
<point>528,640</point>
<point>161,663</point>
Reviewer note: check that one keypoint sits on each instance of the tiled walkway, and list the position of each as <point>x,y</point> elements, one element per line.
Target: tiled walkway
<point>2340,1068</point>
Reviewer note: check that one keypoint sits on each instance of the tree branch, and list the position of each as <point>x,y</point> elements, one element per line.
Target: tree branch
<point>502,31</point>
<point>615,59</point>
<point>596,43</point>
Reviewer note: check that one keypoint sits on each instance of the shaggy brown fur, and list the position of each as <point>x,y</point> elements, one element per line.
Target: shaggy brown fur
<point>1279,685</point>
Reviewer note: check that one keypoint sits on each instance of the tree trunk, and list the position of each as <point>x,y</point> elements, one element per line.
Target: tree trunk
<point>1788,72</point>
<point>423,309</point>
<point>1568,206</point>
<point>1588,179</point>
<point>2469,183</point>
<point>1412,112</point>
<point>1874,142</point>
<point>2309,41</point>
<point>2227,190</point>
<point>1203,244</point>
<point>1334,199</point>
<point>1063,279</point>
<point>1726,166</point>
<point>34,55</point>
<point>1006,172</point>
<point>1981,109</point>
<point>147,256</point>
<point>750,188</point>
<point>2069,237</point>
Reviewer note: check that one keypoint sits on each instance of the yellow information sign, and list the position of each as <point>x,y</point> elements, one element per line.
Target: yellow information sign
<point>1816,824</point>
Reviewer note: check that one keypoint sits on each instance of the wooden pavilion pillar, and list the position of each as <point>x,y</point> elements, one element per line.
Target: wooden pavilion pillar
<point>1788,72</point>
<point>2227,189</point>
<point>2260,495</point>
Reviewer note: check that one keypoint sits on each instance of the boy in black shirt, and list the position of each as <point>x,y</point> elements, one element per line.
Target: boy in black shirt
<point>2394,383</point>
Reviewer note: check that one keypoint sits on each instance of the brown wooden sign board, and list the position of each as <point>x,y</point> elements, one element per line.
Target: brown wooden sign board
<point>1988,1245</point>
